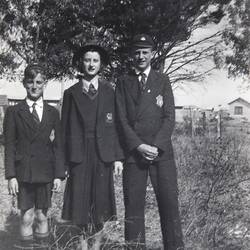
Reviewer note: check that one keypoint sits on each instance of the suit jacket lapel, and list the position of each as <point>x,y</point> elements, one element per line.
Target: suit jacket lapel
<point>25,114</point>
<point>133,87</point>
<point>101,98</point>
<point>77,95</point>
<point>149,93</point>
<point>45,117</point>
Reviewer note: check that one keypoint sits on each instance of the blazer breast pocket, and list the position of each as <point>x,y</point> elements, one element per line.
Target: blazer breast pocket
<point>159,101</point>
<point>109,119</point>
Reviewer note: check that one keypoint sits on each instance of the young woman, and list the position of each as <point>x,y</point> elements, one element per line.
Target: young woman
<point>91,144</point>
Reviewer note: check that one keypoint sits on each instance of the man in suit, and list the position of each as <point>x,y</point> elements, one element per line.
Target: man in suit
<point>33,154</point>
<point>146,113</point>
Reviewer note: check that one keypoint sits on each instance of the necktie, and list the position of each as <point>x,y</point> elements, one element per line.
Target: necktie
<point>34,113</point>
<point>92,91</point>
<point>143,81</point>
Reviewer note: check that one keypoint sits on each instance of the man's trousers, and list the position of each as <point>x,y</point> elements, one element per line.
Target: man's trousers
<point>164,181</point>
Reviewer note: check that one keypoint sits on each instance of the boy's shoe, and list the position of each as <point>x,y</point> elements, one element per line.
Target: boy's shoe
<point>27,238</point>
<point>25,242</point>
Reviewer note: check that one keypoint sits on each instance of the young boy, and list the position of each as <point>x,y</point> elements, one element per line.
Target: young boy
<point>33,155</point>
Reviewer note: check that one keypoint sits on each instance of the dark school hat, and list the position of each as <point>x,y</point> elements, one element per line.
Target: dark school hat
<point>143,41</point>
<point>91,46</point>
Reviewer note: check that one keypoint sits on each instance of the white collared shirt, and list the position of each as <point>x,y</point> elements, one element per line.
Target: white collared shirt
<point>38,107</point>
<point>94,81</point>
<point>146,72</point>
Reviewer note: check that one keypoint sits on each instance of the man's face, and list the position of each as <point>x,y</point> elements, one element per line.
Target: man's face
<point>142,57</point>
<point>91,63</point>
<point>35,86</point>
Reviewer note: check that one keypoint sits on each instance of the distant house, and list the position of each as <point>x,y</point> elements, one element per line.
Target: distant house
<point>239,108</point>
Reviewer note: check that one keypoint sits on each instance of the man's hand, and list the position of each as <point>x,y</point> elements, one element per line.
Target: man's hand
<point>148,152</point>
<point>13,186</point>
<point>118,167</point>
<point>56,185</point>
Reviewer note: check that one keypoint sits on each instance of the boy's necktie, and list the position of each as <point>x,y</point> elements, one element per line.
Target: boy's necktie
<point>34,113</point>
<point>143,81</point>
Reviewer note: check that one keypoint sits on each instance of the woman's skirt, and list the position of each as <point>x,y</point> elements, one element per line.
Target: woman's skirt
<point>89,193</point>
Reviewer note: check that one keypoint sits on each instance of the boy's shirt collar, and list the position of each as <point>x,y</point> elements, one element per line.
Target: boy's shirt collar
<point>94,81</point>
<point>38,107</point>
<point>146,71</point>
<point>39,102</point>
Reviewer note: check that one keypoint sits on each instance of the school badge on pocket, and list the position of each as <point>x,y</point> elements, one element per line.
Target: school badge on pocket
<point>109,117</point>
<point>159,100</point>
<point>52,135</point>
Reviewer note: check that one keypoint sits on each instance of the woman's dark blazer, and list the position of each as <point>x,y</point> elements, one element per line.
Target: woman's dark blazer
<point>73,125</point>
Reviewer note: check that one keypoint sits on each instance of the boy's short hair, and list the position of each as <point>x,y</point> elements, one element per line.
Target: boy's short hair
<point>32,70</point>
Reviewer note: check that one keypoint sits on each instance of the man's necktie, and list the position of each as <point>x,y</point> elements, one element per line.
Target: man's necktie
<point>34,114</point>
<point>92,91</point>
<point>143,81</point>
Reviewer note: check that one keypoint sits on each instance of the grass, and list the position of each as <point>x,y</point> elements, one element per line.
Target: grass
<point>195,158</point>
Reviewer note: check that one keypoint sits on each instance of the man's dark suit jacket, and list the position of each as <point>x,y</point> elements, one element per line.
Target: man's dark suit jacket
<point>73,125</point>
<point>31,154</point>
<point>147,118</point>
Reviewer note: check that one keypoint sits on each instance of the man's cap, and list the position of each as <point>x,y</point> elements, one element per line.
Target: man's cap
<point>91,46</point>
<point>143,41</point>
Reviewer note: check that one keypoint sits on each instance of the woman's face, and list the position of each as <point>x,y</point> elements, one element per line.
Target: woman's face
<point>91,63</point>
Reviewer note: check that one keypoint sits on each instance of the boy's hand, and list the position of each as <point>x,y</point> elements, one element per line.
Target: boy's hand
<point>13,186</point>
<point>118,167</point>
<point>56,185</point>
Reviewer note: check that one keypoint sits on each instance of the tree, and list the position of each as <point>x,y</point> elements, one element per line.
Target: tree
<point>234,53</point>
<point>50,30</point>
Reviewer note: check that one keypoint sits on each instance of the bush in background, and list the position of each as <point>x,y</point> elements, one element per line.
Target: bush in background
<point>213,179</point>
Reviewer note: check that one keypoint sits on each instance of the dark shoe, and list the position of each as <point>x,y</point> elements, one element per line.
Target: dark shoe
<point>41,235</point>
<point>25,242</point>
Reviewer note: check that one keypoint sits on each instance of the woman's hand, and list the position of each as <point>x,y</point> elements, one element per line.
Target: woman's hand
<point>57,185</point>
<point>13,186</point>
<point>118,167</point>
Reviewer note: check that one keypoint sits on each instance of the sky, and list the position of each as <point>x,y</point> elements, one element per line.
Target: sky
<point>216,89</point>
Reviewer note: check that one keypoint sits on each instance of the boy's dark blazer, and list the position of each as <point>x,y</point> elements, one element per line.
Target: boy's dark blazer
<point>148,118</point>
<point>33,153</point>
<point>73,124</point>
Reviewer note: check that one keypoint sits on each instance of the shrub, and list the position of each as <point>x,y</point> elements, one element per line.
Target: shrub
<point>214,201</point>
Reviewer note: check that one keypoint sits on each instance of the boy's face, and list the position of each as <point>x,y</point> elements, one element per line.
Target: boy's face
<point>142,57</point>
<point>35,86</point>
<point>91,63</point>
